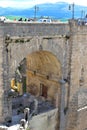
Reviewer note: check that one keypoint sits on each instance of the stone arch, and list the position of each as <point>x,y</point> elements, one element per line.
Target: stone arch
<point>17,52</point>
<point>43,72</point>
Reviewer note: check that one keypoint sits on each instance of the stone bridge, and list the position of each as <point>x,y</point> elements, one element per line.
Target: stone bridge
<point>67,42</point>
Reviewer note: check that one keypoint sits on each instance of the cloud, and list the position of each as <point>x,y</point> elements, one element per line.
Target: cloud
<point>24,3</point>
<point>30,3</point>
<point>17,3</point>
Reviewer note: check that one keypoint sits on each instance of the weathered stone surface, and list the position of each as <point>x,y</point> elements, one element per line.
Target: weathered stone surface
<point>26,38</point>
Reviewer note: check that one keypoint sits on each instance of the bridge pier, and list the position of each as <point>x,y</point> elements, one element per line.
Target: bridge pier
<point>5,101</point>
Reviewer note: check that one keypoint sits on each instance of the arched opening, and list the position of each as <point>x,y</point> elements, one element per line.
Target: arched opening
<point>43,70</point>
<point>38,75</point>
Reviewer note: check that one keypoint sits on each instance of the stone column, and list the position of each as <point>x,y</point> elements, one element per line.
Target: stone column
<point>62,105</point>
<point>7,104</point>
<point>35,106</point>
<point>1,81</point>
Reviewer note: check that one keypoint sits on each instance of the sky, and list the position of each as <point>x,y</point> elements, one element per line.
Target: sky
<point>31,3</point>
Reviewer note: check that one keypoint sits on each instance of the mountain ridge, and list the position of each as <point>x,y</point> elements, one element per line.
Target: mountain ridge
<point>58,10</point>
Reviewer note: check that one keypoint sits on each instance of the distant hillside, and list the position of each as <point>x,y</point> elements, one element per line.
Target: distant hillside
<point>59,10</point>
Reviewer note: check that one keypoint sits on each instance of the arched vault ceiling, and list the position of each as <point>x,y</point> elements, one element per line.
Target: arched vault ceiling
<point>44,62</point>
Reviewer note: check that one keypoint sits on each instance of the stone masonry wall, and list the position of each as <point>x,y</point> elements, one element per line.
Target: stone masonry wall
<point>78,78</point>
<point>1,80</point>
<point>3,77</point>
<point>71,51</point>
<point>56,45</point>
<point>34,29</point>
<point>24,39</point>
<point>45,121</point>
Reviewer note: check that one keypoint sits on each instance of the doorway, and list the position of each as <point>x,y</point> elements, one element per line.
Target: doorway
<point>43,90</point>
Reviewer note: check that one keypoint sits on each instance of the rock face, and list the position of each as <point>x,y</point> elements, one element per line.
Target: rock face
<point>46,121</point>
<point>68,43</point>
